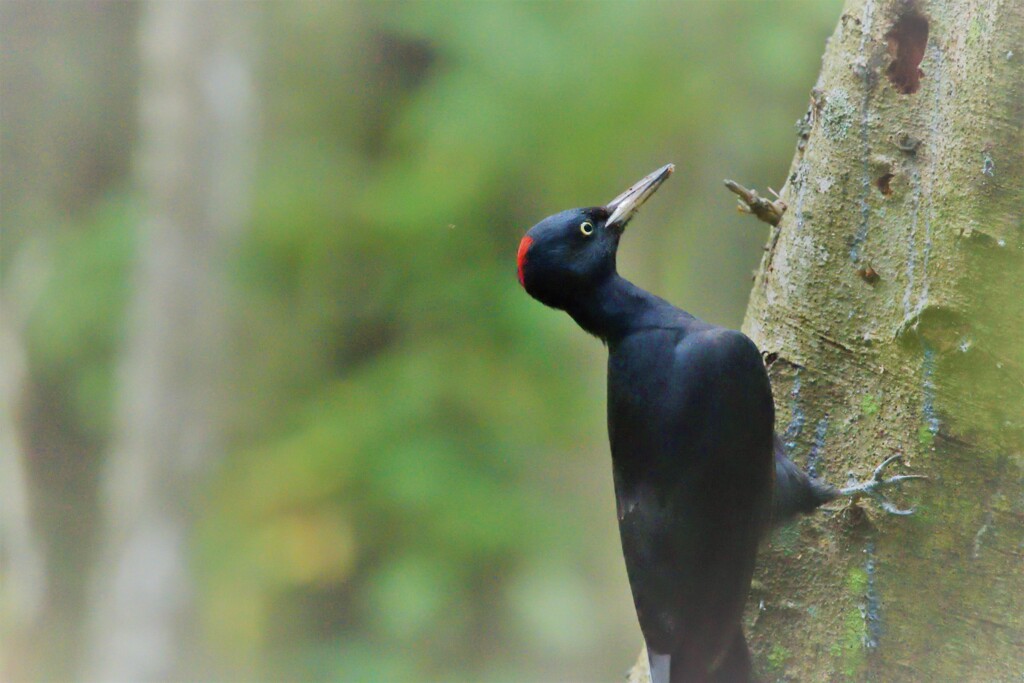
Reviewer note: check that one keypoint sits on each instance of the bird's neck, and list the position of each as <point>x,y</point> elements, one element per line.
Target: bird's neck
<point>615,308</point>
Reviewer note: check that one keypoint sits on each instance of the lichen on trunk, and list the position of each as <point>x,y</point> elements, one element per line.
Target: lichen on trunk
<point>891,298</point>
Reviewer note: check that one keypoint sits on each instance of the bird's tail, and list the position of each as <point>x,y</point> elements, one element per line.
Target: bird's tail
<point>734,666</point>
<point>661,667</point>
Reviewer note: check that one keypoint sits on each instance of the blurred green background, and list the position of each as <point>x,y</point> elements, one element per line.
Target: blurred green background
<point>414,483</point>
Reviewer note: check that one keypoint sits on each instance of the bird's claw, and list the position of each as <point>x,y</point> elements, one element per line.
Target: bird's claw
<point>875,486</point>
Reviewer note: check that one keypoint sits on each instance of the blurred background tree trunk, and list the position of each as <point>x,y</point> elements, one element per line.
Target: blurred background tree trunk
<point>193,169</point>
<point>890,306</point>
<point>25,566</point>
<point>67,94</point>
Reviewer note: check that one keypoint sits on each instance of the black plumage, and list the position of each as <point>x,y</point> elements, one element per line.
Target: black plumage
<point>699,472</point>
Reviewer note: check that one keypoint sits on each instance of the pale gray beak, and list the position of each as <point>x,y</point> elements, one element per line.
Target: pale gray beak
<point>625,206</point>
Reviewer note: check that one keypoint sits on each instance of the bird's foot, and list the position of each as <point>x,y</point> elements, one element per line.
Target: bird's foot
<point>876,486</point>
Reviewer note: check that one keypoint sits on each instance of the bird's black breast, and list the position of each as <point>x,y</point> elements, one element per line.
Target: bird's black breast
<point>690,420</point>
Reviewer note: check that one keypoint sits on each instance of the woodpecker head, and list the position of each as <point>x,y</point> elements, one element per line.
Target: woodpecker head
<point>567,255</point>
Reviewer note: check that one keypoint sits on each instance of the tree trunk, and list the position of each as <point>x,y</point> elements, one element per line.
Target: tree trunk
<point>23,557</point>
<point>890,306</point>
<point>194,163</point>
<point>66,90</point>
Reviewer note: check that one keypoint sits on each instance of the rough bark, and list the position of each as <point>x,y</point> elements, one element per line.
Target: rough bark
<point>194,163</point>
<point>890,302</point>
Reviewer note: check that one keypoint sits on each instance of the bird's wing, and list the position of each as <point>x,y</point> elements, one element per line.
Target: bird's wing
<point>693,465</point>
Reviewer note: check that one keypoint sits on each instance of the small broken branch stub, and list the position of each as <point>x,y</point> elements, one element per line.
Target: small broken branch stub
<point>751,202</point>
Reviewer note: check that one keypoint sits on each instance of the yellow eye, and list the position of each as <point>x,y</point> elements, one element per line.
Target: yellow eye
<point>587,228</point>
